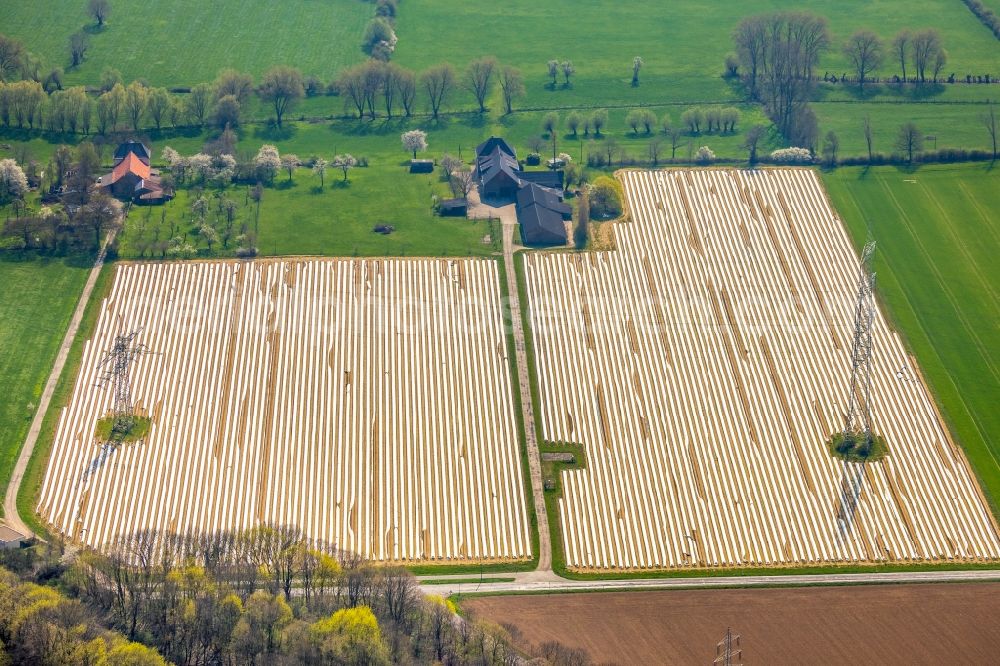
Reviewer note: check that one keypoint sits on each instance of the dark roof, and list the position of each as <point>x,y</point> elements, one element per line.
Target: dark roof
<point>533,194</point>
<point>540,213</point>
<point>135,147</point>
<point>497,162</point>
<point>491,144</point>
<point>553,179</point>
<point>453,204</point>
<point>421,166</point>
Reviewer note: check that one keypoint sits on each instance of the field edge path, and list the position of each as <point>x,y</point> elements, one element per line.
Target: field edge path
<point>11,516</point>
<point>526,584</point>
<point>527,408</point>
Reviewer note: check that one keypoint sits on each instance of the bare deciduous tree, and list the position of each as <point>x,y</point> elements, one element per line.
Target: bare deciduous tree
<point>676,135</point>
<point>778,53</point>
<point>351,84</point>
<point>989,120</point>
<point>751,141</point>
<point>926,45</point>
<point>479,79</point>
<point>438,82</point>
<point>867,127</point>
<point>940,60</point>
<point>864,50</point>
<point>450,164</point>
<point>406,85</point>
<point>511,87</point>
<point>654,151</point>
<point>462,182</point>
<point>909,141</point>
<point>901,49</point>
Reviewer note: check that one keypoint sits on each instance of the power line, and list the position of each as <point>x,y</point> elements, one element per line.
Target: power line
<point>728,651</point>
<point>859,410</point>
<point>117,366</point>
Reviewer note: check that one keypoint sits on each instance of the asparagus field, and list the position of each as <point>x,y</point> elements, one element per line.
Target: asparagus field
<point>368,402</point>
<point>704,363</point>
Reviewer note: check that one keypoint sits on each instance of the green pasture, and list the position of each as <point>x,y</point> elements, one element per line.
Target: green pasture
<point>938,235</point>
<point>953,125</point>
<point>184,42</point>
<point>36,304</point>
<point>683,43</point>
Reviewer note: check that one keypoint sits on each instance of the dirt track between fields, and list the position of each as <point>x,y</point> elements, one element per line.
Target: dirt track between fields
<point>883,624</point>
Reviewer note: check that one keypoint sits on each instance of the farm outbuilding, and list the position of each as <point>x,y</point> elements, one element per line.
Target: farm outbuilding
<point>541,213</point>
<point>10,539</point>
<point>453,207</point>
<point>421,166</point>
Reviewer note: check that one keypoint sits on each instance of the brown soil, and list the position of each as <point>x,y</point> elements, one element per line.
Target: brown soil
<point>879,624</point>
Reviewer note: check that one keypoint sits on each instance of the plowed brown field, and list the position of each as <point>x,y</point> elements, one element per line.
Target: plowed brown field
<point>884,624</point>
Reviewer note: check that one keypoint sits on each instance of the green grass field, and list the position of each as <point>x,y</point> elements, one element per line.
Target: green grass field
<point>183,42</point>
<point>36,304</point>
<point>298,218</point>
<point>683,43</point>
<point>954,125</point>
<point>938,235</point>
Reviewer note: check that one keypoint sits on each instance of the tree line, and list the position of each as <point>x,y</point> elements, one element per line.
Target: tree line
<point>922,49</point>
<point>776,56</point>
<point>371,89</point>
<point>264,595</point>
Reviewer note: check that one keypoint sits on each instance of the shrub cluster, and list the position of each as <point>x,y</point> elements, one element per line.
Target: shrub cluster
<point>792,156</point>
<point>985,14</point>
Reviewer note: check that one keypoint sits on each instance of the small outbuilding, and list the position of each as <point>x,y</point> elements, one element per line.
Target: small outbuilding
<point>453,207</point>
<point>10,539</point>
<point>421,166</point>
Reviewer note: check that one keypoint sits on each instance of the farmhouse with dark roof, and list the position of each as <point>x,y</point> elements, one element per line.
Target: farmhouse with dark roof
<point>541,211</point>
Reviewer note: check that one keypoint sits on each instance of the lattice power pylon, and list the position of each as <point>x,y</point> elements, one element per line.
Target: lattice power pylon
<point>859,410</point>
<point>117,366</point>
<point>728,651</point>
